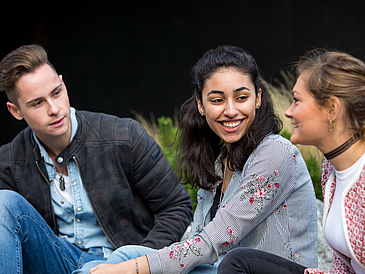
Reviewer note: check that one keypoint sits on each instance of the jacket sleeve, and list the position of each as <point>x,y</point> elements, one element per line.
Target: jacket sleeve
<point>266,183</point>
<point>157,184</point>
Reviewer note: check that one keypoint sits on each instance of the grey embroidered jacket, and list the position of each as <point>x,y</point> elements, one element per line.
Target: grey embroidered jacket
<point>133,190</point>
<point>270,205</point>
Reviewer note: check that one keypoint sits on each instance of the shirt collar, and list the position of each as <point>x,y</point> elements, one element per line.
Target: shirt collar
<point>74,126</point>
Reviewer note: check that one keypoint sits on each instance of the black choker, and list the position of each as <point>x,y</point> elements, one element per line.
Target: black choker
<point>342,148</point>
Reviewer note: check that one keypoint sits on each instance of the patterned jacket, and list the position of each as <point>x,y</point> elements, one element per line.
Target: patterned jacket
<point>269,205</point>
<point>135,194</point>
<point>352,214</point>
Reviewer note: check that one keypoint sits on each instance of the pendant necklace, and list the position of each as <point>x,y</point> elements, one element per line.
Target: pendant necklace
<point>62,180</point>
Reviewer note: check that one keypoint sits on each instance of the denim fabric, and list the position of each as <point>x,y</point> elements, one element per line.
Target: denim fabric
<point>28,245</point>
<point>129,252</point>
<point>76,221</point>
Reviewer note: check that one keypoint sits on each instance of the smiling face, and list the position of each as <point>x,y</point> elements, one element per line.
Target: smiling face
<point>44,104</point>
<point>229,103</point>
<point>309,119</point>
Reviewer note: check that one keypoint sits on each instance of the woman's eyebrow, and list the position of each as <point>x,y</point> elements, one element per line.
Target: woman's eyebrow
<point>221,92</point>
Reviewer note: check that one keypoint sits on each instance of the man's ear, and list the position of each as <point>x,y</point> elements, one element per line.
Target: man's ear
<point>14,110</point>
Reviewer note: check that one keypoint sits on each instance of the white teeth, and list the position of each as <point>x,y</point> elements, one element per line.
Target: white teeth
<point>231,124</point>
<point>295,126</point>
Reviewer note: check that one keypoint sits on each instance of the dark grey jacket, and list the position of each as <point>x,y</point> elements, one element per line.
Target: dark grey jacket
<point>132,188</point>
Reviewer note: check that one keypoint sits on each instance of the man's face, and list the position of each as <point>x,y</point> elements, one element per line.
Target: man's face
<point>44,104</point>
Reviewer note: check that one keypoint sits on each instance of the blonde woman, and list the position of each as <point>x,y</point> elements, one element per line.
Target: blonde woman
<point>328,112</point>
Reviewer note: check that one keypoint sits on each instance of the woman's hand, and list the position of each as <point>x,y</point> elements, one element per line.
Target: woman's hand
<point>110,269</point>
<point>127,267</point>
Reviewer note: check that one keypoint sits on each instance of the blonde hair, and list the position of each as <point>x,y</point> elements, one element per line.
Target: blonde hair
<point>333,73</point>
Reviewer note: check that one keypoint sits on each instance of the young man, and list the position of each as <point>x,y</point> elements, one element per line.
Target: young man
<point>76,185</point>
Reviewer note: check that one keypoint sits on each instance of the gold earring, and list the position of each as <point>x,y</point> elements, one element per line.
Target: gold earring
<point>332,124</point>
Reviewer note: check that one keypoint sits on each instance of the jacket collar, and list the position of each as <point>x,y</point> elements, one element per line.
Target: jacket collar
<point>72,148</point>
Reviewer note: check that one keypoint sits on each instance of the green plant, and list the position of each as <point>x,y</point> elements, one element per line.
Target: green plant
<point>314,168</point>
<point>167,135</point>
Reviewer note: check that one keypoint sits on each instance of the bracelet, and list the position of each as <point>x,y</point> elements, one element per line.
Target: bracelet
<point>137,270</point>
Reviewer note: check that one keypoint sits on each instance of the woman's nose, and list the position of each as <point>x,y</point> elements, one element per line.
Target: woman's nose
<point>289,112</point>
<point>230,109</point>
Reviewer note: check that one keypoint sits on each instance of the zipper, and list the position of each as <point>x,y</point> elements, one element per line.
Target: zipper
<point>50,195</point>
<point>88,195</point>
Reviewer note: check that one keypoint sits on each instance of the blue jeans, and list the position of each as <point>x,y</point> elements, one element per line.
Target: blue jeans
<point>129,252</point>
<point>28,245</point>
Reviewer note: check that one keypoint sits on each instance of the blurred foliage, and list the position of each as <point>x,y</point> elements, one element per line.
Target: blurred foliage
<point>313,163</point>
<point>314,168</point>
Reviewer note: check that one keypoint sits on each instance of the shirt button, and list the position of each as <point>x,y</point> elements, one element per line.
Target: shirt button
<point>75,183</point>
<point>79,209</point>
<point>78,220</point>
<point>60,160</point>
<point>79,242</point>
<point>62,202</point>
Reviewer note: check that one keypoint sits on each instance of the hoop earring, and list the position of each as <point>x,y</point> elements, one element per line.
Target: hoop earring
<point>332,124</point>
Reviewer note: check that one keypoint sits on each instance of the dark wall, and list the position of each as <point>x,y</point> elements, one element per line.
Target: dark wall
<point>137,56</point>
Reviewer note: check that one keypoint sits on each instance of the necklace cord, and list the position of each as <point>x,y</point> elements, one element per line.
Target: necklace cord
<point>342,148</point>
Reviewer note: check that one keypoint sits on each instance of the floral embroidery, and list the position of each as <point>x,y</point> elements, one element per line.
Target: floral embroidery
<point>295,156</point>
<point>285,206</point>
<point>296,255</point>
<point>293,256</point>
<point>181,250</point>
<point>259,189</point>
<point>232,240</point>
<point>198,229</point>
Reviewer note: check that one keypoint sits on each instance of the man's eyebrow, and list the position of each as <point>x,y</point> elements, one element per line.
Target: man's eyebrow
<point>221,92</point>
<point>40,98</point>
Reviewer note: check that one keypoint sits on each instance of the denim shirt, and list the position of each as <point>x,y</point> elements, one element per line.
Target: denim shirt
<point>77,221</point>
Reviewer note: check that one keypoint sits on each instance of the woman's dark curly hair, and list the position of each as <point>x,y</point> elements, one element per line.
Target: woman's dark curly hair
<point>198,145</point>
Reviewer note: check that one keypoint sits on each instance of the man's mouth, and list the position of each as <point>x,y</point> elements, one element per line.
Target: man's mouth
<point>57,121</point>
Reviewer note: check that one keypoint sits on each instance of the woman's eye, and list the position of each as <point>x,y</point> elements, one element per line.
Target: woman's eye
<point>216,100</point>
<point>242,98</point>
